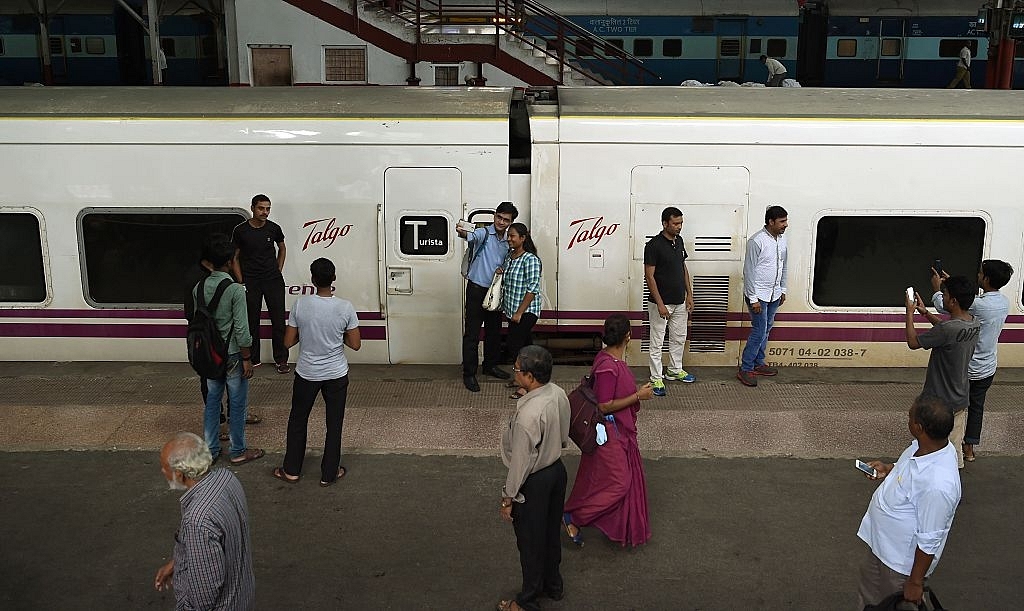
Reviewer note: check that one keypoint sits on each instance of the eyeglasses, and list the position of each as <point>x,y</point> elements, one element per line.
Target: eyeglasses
<point>514,370</point>
<point>503,219</point>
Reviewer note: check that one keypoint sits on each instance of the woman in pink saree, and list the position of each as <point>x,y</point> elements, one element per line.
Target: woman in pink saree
<point>610,492</point>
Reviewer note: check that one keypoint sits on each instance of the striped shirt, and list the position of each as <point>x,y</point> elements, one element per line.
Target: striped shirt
<point>212,550</point>
<point>522,276</point>
<point>481,270</point>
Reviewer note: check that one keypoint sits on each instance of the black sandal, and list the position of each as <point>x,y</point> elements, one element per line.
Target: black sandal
<point>341,473</point>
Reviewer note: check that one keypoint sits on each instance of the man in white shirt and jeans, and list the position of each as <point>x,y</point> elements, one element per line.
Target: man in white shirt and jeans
<point>963,69</point>
<point>776,71</point>
<point>910,513</point>
<point>764,290</point>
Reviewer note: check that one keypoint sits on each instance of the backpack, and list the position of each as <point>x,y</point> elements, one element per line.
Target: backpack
<point>470,255</point>
<point>207,350</point>
<point>584,416</point>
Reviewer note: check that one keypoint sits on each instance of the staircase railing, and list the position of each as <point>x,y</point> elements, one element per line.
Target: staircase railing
<point>528,21</point>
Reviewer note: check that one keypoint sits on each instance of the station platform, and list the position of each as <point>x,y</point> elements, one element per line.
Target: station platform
<point>805,413</point>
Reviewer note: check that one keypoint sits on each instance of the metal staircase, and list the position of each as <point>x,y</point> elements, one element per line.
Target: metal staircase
<point>524,39</point>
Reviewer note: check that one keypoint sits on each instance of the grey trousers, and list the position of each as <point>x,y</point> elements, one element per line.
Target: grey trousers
<point>877,581</point>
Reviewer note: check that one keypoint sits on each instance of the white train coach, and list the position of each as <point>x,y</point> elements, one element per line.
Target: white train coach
<point>105,195</point>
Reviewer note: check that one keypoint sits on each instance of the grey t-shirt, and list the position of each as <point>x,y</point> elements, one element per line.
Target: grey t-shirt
<point>322,322</point>
<point>952,343</point>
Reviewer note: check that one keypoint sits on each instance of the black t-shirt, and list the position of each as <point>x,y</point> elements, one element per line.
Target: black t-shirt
<point>256,252</point>
<point>667,258</point>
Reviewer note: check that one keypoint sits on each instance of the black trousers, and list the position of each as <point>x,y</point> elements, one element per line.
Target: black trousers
<point>476,315</point>
<point>303,396</point>
<point>519,334</point>
<point>538,526</point>
<point>976,409</point>
<point>272,291</point>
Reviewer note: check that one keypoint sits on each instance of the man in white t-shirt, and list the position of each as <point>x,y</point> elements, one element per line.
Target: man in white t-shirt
<point>910,513</point>
<point>324,324</point>
<point>963,68</point>
<point>776,71</point>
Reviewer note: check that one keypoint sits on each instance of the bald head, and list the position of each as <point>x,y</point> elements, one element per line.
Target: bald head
<point>187,456</point>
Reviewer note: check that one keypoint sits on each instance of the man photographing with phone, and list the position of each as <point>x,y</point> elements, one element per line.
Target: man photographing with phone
<point>911,512</point>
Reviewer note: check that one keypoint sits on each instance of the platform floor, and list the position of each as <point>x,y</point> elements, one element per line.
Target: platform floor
<point>821,413</point>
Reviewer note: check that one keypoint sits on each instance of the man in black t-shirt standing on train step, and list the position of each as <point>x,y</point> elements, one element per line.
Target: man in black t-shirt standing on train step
<point>258,266</point>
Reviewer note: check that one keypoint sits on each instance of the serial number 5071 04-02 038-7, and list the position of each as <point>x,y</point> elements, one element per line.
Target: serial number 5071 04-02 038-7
<point>818,353</point>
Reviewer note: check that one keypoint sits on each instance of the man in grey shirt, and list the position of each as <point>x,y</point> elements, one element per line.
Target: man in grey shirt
<point>952,343</point>
<point>991,309</point>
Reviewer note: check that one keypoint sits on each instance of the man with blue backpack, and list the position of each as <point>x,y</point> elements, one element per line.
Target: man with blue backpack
<point>488,247</point>
<point>218,349</point>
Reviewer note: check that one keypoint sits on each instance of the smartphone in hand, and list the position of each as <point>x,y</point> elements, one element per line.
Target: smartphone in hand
<point>865,467</point>
<point>937,266</point>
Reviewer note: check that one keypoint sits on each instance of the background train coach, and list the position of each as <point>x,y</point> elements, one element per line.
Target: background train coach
<point>105,195</point>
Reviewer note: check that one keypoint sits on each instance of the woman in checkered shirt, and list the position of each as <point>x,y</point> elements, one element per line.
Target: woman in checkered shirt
<point>520,289</point>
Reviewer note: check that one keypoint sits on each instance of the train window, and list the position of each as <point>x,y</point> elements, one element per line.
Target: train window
<point>347,65</point>
<point>140,256</point>
<point>776,47</point>
<point>643,47</point>
<point>56,45</point>
<point>950,47</point>
<point>423,235</point>
<point>170,49</point>
<point>846,47</point>
<point>584,48</point>
<point>75,44</point>
<point>755,46</point>
<point>207,46</point>
<point>94,45</point>
<point>1,45</point>
<point>1018,52</point>
<point>729,47</point>
<point>21,276</point>
<point>614,44</point>
<point>446,76</point>
<point>892,47</point>
<point>673,47</point>
<point>899,248</point>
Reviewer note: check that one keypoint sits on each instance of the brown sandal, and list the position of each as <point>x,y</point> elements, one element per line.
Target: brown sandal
<point>249,455</point>
<point>508,605</point>
<point>968,450</point>
<point>341,473</point>
<point>282,475</point>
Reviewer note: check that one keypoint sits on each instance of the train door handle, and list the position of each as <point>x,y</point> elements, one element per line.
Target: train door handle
<point>399,280</point>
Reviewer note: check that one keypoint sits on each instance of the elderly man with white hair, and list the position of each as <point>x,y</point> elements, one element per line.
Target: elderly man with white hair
<point>212,563</point>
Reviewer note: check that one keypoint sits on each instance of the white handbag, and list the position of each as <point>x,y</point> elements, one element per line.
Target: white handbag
<point>492,300</point>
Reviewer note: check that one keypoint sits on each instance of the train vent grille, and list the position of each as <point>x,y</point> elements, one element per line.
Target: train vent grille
<point>706,243</point>
<point>710,313</point>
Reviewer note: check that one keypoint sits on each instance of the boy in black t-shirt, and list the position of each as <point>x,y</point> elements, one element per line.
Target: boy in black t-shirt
<point>258,266</point>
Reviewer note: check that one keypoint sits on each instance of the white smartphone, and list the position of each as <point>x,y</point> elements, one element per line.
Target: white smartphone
<point>466,226</point>
<point>865,467</point>
<point>910,294</point>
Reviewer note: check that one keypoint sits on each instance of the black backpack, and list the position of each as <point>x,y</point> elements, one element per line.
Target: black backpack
<point>207,350</point>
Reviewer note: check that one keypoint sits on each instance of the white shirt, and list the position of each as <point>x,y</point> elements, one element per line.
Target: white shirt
<point>913,508</point>
<point>775,66</point>
<point>965,57</point>
<point>764,268</point>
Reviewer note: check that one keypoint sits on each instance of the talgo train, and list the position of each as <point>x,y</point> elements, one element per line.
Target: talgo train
<point>106,193</point>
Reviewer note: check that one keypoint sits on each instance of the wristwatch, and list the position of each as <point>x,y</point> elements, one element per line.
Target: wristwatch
<point>506,503</point>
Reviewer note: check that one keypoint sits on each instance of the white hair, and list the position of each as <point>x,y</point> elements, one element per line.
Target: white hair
<point>189,455</point>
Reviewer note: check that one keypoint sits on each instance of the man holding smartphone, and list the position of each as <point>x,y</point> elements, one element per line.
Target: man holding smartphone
<point>910,513</point>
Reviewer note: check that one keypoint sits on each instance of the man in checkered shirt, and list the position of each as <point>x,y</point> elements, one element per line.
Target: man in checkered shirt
<point>212,563</point>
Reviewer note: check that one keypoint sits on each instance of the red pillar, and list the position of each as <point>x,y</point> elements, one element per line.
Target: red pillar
<point>1006,52</point>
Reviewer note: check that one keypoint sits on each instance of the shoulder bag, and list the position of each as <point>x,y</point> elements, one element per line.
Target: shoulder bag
<point>492,300</point>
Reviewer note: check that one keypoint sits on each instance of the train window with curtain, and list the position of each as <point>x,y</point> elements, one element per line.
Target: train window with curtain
<point>755,46</point>
<point>895,251</point>
<point>846,47</point>
<point>776,47</point>
<point>94,45</point>
<point>135,256</point>
<point>22,278</point>
<point>673,47</point>
<point>169,47</point>
<point>950,47</point>
<point>643,47</point>
<point>892,47</point>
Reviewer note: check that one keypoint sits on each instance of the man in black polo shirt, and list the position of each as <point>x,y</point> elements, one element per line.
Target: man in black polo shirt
<point>670,300</point>
<point>258,266</point>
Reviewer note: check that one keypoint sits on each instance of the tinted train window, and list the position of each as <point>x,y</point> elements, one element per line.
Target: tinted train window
<point>614,44</point>
<point>643,47</point>
<point>869,261</point>
<point>776,47</point>
<point>140,257</point>
<point>584,48</point>
<point>950,47</point>
<point>892,47</point>
<point>755,46</point>
<point>846,47</point>
<point>673,47</point>
<point>94,45</point>
<point>21,250</point>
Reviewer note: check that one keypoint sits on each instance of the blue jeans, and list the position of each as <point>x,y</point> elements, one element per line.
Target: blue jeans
<point>760,327</point>
<point>238,398</point>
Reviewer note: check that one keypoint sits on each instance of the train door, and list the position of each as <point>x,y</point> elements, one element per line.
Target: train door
<point>713,201</point>
<point>891,51</point>
<point>422,262</point>
<point>58,52</point>
<point>731,41</point>
<point>812,45</point>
